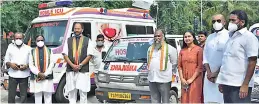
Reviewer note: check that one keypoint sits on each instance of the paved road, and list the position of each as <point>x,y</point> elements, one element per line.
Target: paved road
<point>4,97</point>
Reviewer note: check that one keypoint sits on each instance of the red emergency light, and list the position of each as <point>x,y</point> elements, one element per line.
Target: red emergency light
<point>43,5</point>
<point>103,10</point>
<point>145,15</point>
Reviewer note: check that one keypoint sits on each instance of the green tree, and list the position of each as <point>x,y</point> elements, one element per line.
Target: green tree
<point>16,15</point>
<point>177,17</point>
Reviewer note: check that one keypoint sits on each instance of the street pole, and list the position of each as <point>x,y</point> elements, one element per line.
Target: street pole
<point>201,15</point>
<point>156,13</point>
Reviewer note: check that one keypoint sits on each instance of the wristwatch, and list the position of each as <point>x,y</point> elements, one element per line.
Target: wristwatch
<point>80,66</point>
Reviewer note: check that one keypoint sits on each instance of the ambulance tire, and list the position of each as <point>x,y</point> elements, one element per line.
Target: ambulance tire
<point>173,97</point>
<point>59,95</point>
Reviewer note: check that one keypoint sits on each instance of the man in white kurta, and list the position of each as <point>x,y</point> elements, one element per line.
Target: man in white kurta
<point>41,63</point>
<point>77,75</point>
<point>160,68</point>
<point>212,58</point>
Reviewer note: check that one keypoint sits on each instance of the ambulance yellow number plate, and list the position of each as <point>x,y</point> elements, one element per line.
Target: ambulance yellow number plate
<point>119,96</point>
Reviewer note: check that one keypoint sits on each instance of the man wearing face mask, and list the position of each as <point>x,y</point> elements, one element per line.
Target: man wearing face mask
<point>17,58</point>
<point>100,51</point>
<point>78,51</point>
<point>212,58</point>
<point>100,48</point>
<point>160,75</point>
<point>41,64</point>
<point>239,60</point>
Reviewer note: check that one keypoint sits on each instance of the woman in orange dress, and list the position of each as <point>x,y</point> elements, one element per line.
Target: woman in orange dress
<point>190,69</point>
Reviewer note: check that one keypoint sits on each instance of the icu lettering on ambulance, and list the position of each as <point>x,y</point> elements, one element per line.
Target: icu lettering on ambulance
<point>50,12</point>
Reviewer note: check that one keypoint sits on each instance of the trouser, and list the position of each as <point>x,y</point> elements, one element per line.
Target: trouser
<point>203,77</point>
<point>73,97</point>
<point>47,97</point>
<point>231,95</point>
<point>159,91</point>
<point>23,86</point>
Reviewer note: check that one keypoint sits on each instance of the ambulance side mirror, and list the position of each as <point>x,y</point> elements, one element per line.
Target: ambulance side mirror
<point>103,54</point>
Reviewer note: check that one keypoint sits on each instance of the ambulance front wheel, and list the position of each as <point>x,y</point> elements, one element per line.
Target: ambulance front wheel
<point>173,97</point>
<point>59,95</point>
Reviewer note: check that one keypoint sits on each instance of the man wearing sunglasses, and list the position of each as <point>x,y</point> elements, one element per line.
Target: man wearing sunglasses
<point>212,58</point>
<point>239,60</point>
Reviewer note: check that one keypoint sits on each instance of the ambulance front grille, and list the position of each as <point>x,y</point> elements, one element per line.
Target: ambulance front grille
<point>123,79</point>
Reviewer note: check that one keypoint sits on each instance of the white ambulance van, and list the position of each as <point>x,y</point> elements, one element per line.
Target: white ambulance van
<point>56,20</point>
<point>255,92</point>
<point>124,75</point>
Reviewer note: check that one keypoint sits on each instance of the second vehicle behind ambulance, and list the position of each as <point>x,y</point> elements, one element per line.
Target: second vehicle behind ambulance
<point>124,76</point>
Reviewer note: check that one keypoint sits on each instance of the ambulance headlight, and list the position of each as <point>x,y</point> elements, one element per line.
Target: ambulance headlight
<point>142,80</point>
<point>102,77</point>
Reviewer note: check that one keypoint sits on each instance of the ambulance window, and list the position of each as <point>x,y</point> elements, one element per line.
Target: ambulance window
<point>51,30</point>
<point>150,30</point>
<point>87,29</point>
<point>181,43</point>
<point>171,42</point>
<point>137,30</point>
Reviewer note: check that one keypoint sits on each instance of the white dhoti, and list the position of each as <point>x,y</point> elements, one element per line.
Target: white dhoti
<point>42,88</point>
<point>47,97</point>
<point>211,92</point>
<point>80,81</point>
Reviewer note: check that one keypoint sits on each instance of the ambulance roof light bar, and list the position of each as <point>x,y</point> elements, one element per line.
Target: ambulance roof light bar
<point>54,4</point>
<point>103,10</point>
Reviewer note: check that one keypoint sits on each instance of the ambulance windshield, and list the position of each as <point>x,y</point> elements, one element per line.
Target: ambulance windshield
<point>53,32</point>
<point>129,50</point>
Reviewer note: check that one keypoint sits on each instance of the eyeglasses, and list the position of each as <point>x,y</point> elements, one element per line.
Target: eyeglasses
<point>219,21</point>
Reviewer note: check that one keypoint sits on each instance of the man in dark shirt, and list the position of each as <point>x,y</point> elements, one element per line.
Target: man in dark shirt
<point>202,36</point>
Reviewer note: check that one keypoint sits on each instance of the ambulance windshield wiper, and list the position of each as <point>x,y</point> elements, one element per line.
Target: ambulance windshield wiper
<point>141,59</point>
<point>122,59</point>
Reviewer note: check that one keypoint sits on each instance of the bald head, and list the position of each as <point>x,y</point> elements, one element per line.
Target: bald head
<point>219,17</point>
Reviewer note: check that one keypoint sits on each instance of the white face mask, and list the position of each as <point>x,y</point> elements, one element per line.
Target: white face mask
<point>232,27</point>
<point>99,43</point>
<point>40,44</point>
<point>18,42</point>
<point>217,26</point>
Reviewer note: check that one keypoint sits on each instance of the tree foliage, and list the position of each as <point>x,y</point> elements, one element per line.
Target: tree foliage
<point>177,17</point>
<point>16,15</point>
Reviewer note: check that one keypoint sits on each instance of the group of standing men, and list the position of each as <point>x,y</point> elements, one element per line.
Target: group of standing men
<point>24,62</point>
<point>229,59</point>
<point>226,63</point>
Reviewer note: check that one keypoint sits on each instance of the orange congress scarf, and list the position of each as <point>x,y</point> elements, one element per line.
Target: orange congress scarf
<point>163,56</point>
<point>77,52</point>
<point>36,53</point>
